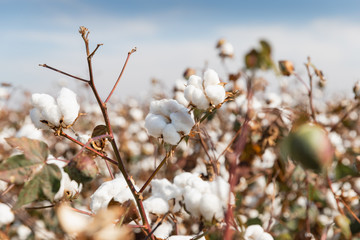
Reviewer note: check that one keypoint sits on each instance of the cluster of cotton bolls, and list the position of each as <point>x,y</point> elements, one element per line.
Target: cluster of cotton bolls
<point>225,47</point>
<point>49,113</point>
<point>168,119</point>
<point>206,92</point>
<point>201,199</point>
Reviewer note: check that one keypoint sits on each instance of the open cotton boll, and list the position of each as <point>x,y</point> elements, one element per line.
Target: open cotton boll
<point>182,121</point>
<point>6,216</point>
<point>227,49</point>
<point>116,189</point>
<point>68,186</point>
<point>164,230</point>
<point>221,188</point>
<point>36,118</point>
<point>181,180</point>
<point>211,78</point>
<point>169,106</point>
<point>195,81</point>
<point>155,124</point>
<point>192,200</point>
<point>211,207</point>
<point>68,105</point>
<point>170,134</point>
<point>52,114</point>
<point>156,205</point>
<point>42,100</point>
<point>215,93</point>
<point>199,99</point>
<point>253,232</point>
<point>164,188</point>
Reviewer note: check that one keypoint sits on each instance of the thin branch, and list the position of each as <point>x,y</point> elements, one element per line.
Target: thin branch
<point>67,74</point>
<point>121,73</point>
<point>345,116</point>
<point>42,207</point>
<point>311,90</point>
<point>158,225</point>
<point>88,148</point>
<point>92,54</point>
<point>168,155</point>
<point>350,211</point>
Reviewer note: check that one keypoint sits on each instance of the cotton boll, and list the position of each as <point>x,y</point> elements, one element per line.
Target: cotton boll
<point>170,134</point>
<point>227,49</point>
<point>211,207</point>
<point>192,200</point>
<point>42,100</point>
<point>36,117</point>
<point>116,189</point>
<point>221,188</point>
<point>136,114</point>
<point>68,105</point>
<point>169,106</point>
<point>155,124</point>
<point>211,78</point>
<point>52,114</point>
<point>164,230</point>
<point>199,184</point>
<point>6,216</point>
<point>183,237</point>
<point>199,99</point>
<point>156,205</point>
<point>253,232</point>
<point>215,93</point>
<point>182,121</point>
<point>195,81</point>
<point>165,189</point>
<point>68,186</point>
<point>182,179</point>
<point>188,92</point>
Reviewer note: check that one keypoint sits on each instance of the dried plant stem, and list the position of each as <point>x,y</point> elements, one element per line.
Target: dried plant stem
<point>121,73</point>
<point>81,211</point>
<point>138,198</point>
<point>69,75</point>
<point>336,198</point>
<point>350,211</point>
<point>345,116</point>
<point>313,114</point>
<point>167,156</point>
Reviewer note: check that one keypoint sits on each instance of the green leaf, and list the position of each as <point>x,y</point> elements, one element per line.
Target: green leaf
<point>43,186</point>
<point>34,150</point>
<point>17,169</point>
<point>342,171</point>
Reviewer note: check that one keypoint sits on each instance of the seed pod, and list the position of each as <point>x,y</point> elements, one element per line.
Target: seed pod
<point>82,168</point>
<point>286,67</point>
<point>309,146</point>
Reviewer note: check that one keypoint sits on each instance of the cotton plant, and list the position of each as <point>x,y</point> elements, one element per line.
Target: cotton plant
<point>256,232</point>
<point>205,92</point>
<point>168,120</point>
<point>48,113</point>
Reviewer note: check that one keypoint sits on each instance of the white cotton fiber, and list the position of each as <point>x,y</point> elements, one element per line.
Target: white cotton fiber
<point>181,180</point>
<point>165,189</point>
<point>68,105</point>
<point>164,230</point>
<point>199,99</point>
<point>155,124</point>
<point>6,216</point>
<point>211,78</point>
<point>211,207</point>
<point>36,117</point>
<point>156,205</point>
<point>42,100</point>
<point>227,49</point>
<point>170,134</point>
<point>183,237</point>
<point>195,81</point>
<point>215,93</point>
<point>52,114</point>
<point>169,106</point>
<point>192,200</point>
<point>182,121</point>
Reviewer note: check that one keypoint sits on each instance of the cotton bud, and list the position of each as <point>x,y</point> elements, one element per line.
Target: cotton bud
<point>309,145</point>
<point>286,67</point>
<point>82,168</point>
<point>189,72</point>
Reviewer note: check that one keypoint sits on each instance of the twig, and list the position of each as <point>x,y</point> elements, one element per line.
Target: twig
<point>313,114</point>
<point>121,73</point>
<point>7,189</point>
<point>336,198</point>
<point>92,54</point>
<point>167,156</point>
<point>345,116</point>
<point>41,207</point>
<point>158,225</point>
<point>67,74</point>
<point>81,211</point>
<point>350,211</point>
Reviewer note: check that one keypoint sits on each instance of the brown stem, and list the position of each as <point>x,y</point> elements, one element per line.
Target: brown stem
<point>81,211</point>
<point>344,116</point>
<point>88,148</point>
<point>121,73</point>
<point>41,207</point>
<point>69,75</point>
<point>168,155</point>
<point>97,46</point>
<point>336,198</point>
<point>350,211</point>
<point>120,163</point>
<point>311,90</point>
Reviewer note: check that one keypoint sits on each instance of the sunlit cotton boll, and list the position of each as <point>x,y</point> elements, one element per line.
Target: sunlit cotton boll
<point>164,230</point>
<point>155,124</point>
<point>256,232</point>
<point>211,207</point>
<point>170,134</point>
<point>68,105</point>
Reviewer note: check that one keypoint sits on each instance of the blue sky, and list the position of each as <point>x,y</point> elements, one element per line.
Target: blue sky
<point>170,36</point>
